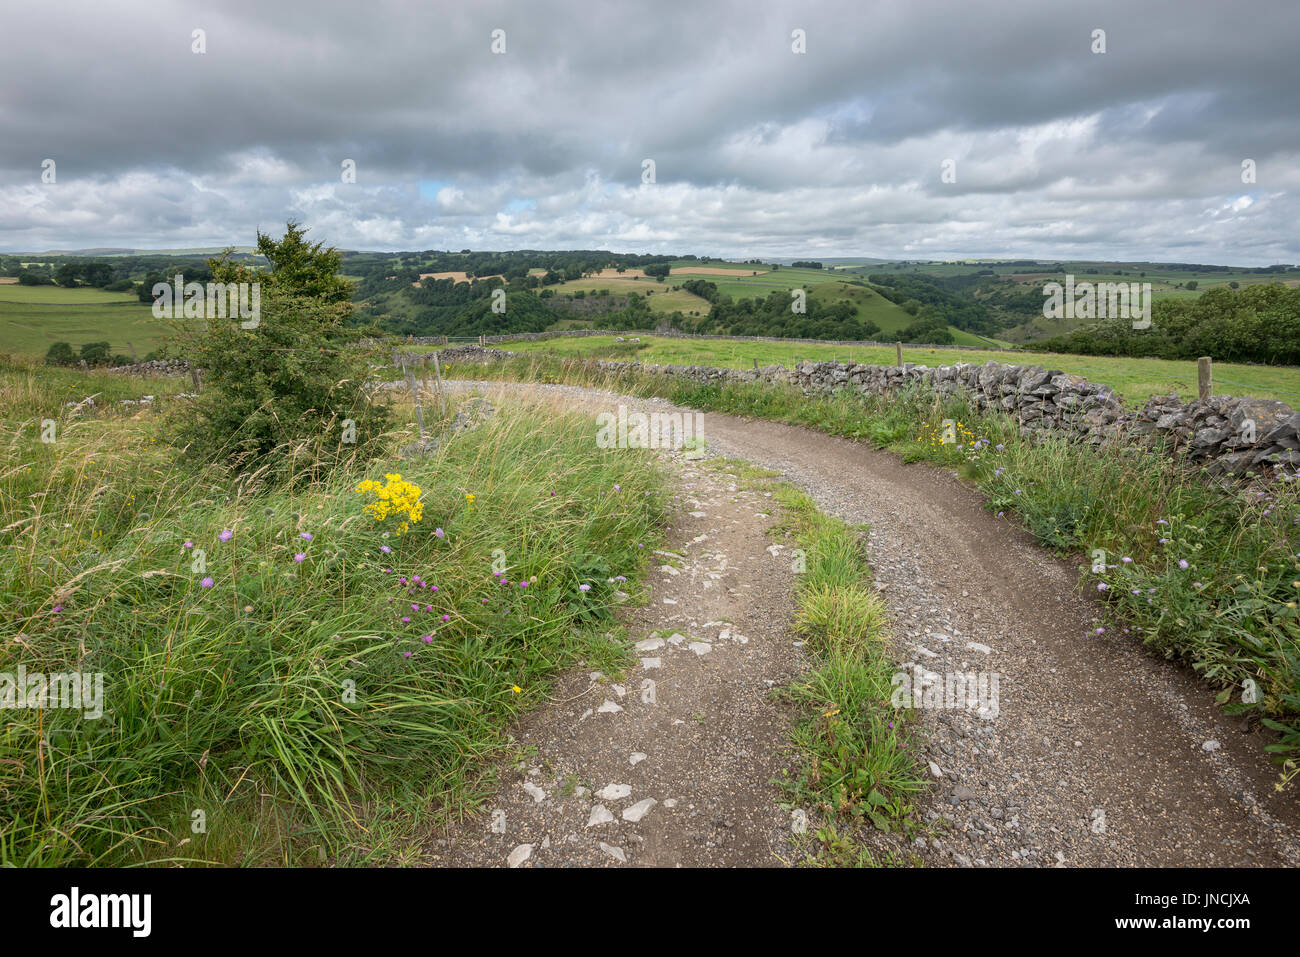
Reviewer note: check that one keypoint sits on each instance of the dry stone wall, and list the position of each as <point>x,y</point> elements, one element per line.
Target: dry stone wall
<point>1230,435</point>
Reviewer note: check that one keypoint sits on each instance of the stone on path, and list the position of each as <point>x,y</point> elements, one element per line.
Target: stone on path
<point>600,815</point>
<point>519,855</point>
<point>536,793</point>
<point>614,852</point>
<point>614,792</point>
<point>639,810</point>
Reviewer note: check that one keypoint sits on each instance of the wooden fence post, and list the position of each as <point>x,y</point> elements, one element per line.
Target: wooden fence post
<point>899,346</point>
<point>194,377</point>
<point>1204,377</point>
<point>415,396</point>
<point>442,396</point>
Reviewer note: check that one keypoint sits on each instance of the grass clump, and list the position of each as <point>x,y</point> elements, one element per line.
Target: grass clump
<point>858,758</point>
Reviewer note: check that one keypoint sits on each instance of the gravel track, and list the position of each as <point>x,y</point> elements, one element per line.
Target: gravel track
<point>1099,754</point>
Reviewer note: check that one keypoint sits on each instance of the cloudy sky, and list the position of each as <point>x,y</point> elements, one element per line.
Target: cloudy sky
<point>908,129</point>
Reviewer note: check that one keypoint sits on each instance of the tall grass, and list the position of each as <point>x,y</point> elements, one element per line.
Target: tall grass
<point>1230,612</point>
<point>264,707</point>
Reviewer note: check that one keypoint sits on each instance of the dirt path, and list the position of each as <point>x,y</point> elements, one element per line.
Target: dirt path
<point>671,763</point>
<point>1099,755</point>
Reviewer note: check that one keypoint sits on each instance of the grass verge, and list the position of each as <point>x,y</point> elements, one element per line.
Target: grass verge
<point>284,679</point>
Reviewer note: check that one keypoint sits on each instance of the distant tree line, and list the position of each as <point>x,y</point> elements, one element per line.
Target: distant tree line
<point>1260,323</point>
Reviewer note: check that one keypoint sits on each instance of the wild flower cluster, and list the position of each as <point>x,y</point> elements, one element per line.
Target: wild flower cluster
<point>395,497</point>
<point>932,438</point>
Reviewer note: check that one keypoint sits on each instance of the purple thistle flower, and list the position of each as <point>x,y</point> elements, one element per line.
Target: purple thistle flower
<point>1182,563</point>
<point>439,533</point>
<point>57,609</point>
<point>428,639</point>
<point>406,621</point>
<point>446,617</point>
<point>406,654</point>
<point>299,556</point>
<point>584,587</point>
<point>226,535</point>
<point>385,549</point>
<point>188,544</point>
<point>207,582</point>
<point>305,536</point>
<point>1101,586</point>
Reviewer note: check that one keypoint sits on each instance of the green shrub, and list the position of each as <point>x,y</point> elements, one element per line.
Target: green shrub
<point>289,394</point>
<point>60,354</point>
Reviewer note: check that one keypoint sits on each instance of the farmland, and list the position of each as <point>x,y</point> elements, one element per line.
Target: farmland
<point>34,317</point>
<point>752,281</point>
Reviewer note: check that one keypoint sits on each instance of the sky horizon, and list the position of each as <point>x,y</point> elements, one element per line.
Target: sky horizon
<point>930,130</point>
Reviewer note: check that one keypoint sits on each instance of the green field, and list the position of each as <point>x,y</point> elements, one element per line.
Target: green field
<point>820,285</point>
<point>662,296</point>
<point>1134,379</point>
<point>33,317</point>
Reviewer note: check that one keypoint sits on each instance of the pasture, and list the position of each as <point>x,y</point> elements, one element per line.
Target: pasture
<point>34,317</point>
